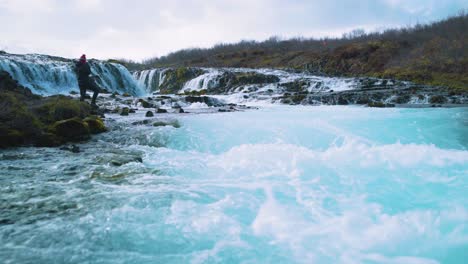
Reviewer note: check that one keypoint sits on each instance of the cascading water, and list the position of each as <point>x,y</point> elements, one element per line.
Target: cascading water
<point>210,80</point>
<point>149,79</point>
<point>203,82</point>
<point>52,75</point>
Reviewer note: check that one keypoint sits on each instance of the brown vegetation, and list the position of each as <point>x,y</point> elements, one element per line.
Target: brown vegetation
<point>434,54</point>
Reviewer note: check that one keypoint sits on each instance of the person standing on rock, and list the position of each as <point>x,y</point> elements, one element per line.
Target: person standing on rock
<point>85,82</point>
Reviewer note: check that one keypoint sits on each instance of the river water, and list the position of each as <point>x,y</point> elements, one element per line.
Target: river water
<point>276,185</point>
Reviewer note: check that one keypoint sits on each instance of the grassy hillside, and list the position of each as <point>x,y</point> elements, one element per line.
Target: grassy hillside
<point>434,54</point>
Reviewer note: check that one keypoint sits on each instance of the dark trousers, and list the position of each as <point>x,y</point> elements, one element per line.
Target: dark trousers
<point>88,84</point>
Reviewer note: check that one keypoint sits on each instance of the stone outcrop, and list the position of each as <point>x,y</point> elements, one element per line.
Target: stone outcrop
<point>28,119</point>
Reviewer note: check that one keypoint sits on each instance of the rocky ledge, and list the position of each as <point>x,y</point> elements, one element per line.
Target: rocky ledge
<point>27,119</point>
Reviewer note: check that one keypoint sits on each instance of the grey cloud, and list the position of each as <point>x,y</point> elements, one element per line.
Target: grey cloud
<point>140,29</point>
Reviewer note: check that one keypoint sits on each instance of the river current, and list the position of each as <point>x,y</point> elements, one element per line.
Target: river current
<point>282,184</point>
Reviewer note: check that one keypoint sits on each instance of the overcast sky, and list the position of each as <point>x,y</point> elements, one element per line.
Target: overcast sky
<point>146,28</point>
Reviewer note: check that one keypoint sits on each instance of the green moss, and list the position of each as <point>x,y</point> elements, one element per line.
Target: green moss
<point>95,124</point>
<point>176,78</point>
<point>16,115</point>
<point>73,129</point>
<point>60,108</point>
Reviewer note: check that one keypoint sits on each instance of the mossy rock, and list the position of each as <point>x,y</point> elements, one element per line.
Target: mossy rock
<point>15,115</point>
<point>175,79</point>
<point>11,138</point>
<point>254,78</point>
<point>402,99</point>
<point>437,99</point>
<point>174,123</point>
<point>95,125</point>
<point>124,111</point>
<point>342,101</point>
<point>74,129</point>
<point>145,104</point>
<point>58,108</point>
<point>47,139</point>
<point>27,119</point>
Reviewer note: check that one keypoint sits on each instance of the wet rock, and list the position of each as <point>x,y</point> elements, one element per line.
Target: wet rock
<point>47,140</point>
<point>73,129</point>
<point>59,107</point>
<point>95,124</point>
<point>145,104</point>
<point>72,148</point>
<point>161,111</point>
<point>437,99</point>
<point>11,138</point>
<point>173,123</point>
<point>28,119</point>
<point>142,122</point>
<point>255,78</point>
<point>175,79</point>
<point>126,95</point>
<point>124,111</point>
<point>402,99</point>
<point>342,101</point>
<point>122,160</point>
<point>210,101</point>
<point>149,114</point>
<point>296,86</point>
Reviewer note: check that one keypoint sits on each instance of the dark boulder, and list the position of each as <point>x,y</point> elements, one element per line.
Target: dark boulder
<point>28,119</point>
<point>124,111</point>
<point>95,124</point>
<point>149,114</point>
<point>173,123</point>
<point>74,129</point>
<point>437,99</point>
<point>145,104</point>
<point>210,101</point>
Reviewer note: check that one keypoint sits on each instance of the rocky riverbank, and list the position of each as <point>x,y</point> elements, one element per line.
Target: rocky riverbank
<point>27,119</point>
<point>295,87</point>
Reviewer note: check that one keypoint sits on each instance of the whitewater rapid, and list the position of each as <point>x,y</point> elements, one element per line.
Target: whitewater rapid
<point>277,185</point>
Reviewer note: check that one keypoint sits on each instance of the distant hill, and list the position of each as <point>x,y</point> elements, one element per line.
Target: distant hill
<point>434,54</point>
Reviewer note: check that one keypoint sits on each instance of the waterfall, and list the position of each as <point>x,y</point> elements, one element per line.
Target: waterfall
<point>203,82</point>
<point>149,79</point>
<point>48,75</point>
